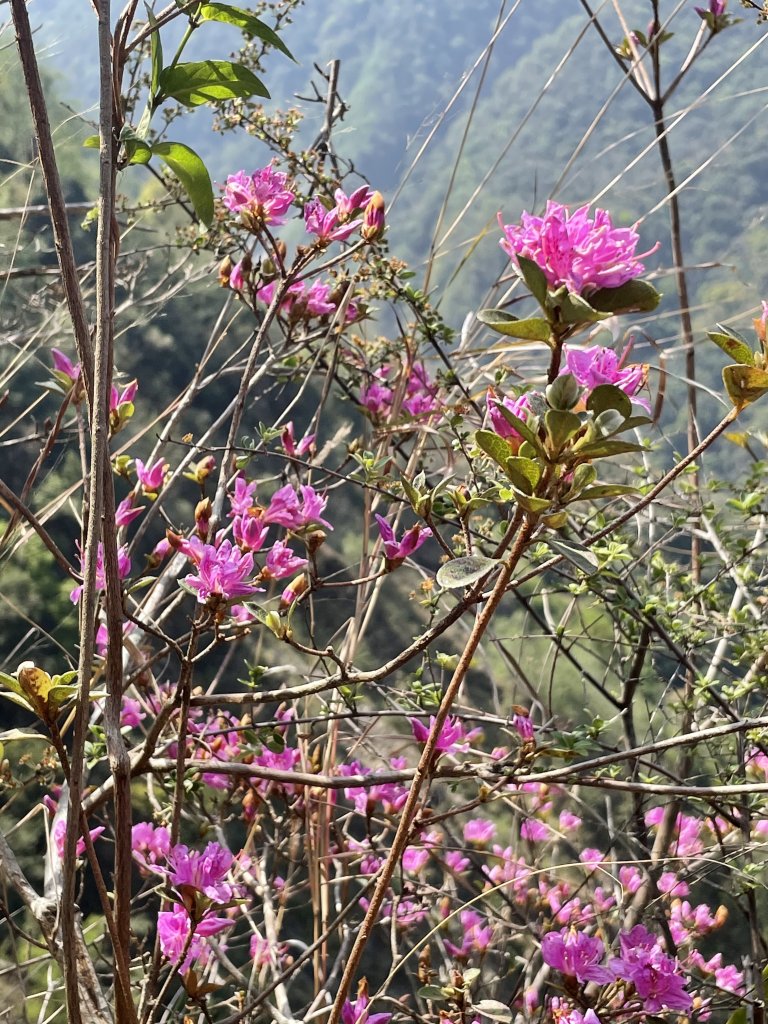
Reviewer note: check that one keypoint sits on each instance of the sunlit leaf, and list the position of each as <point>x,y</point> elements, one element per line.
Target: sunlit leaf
<point>745,384</point>
<point>534,277</point>
<point>636,296</point>
<point>734,347</point>
<point>462,572</point>
<point>244,20</point>
<point>207,81</point>
<point>192,173</point>
<point>532,329</point>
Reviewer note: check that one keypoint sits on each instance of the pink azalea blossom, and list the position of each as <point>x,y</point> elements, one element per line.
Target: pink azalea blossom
<point>396,552</point>
<point>125,513</point>
<point>456,861</point>
<point>716,9</point>
<point>174,928</point>
<point>574,250</point>
<point>152,477</point>
<point>326,225</point>
<point>64,366</point>
<point>420,393</point>
<point>451,740</point>
<point>290,446</point>
<point>243,498</point>
<point>236,277</point>
<point>123,567</point>
<point>358,1012</point>
<point>597,365</point>
<point>250,532</point>
<point>376,397</point>
<point>653,973</point>
<point>131,713</point>
<point>150,845</point>
<point>574,953</point>
<point>523,727</point>
<point>60,837</point>
<point>318,299</point>
<point>479,830</point>
<point>564,1015</point>
<point>203,871</point>
<point>118,398</point>
<point>348,205</point>
<point>281,562</point>
<point>477,935</point>
<point>287,509</point>
<point>260,198</point>
<point>520,407</point>
<point>221,573</point>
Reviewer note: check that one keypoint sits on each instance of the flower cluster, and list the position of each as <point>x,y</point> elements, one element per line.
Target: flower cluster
<point>420,400</point>
<point>576,251</point>
<point>262,198</point>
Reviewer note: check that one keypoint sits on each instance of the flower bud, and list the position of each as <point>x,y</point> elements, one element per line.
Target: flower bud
<point>225,270</point>
<point>373,218</point>
<point>203,513</point>
<point>315,540</point>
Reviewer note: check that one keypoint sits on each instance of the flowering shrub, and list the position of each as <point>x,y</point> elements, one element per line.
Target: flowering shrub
<point>288,778</point>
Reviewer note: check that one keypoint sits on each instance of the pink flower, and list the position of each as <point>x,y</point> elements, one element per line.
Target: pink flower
<point>288,441</point>
<point>420,393</point>
<point>65,367</point>
<point>376,398</point>
<point>125,513</point>
<point>287,510</point>
<point>563,1015</point>
<point>221,573</point>
<point>249,532</point>
<point>451,740</point>
<point>569,820</point>
<point>534,831</point>
<point>577,954</point>
<point>716,9</point>
<point>318,300</point>
<point>117,399</point>
<point>203,872</point>
<point>281,562</point>
<point>174,928</point>
<point>243,497</point>
<point>479,830</point>
<point>131,714</point>
<point>236,277</point>
<point>123,567</point>
<point>598,365</point>
<point>573,250</point>
<point>260,198</point>
<point>60,837</point>
<point>149,844</point>
<point>520,407</point>
<point>348,205</point>
<point>396,552</point>
<point>152,477</point>
<point>357,1012</point>
<point>523,727</point>
<point>651,971</point>
<point>477,935</point>
<point>326,225</point>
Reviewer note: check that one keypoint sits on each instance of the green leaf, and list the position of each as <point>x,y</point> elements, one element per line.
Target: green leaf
<point>609,422</point>
<point>734,347</point>
<point>138,151</point>
<point>745,384</point>
<point>157,52</point>
<point>584,559</point>
<point>524,473</point>
<point>533,329</point>
<point>564,392</point>
<point>431,992</point>
<point>601,449</point>
<point>607,491</point>
<point>494,1009</point>
<point>494,446</point>
<point>635,296</point>
<point>573,309</point>
<point>92,142</point>
<point>207,81</point>
<point>561,426</point>
<point>529,502</point>
<point>192,173</point>
<point>738,1016</point>
<point>608,396</point>
<point>245,20</point>
<point>534,277</point>
<point>462,572</point>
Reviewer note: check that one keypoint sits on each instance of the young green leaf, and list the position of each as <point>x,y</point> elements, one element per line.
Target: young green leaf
<point>533,329</point>
<point>733,347</point>
<point>206,81</point>
<point>192,173</point>
<point>246,21</point>
<point>745,384</point>
<point>634,296</point>
<point>462,572</point>
<point>576,554</point>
